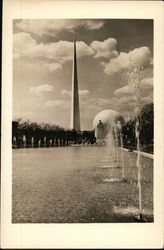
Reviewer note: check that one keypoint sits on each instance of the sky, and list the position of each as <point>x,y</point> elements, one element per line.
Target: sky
<point>42,67</point>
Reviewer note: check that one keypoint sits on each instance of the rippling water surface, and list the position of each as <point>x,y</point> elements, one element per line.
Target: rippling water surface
<point>78,185</point>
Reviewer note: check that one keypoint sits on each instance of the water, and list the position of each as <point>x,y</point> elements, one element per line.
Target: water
<point>70,185</point>
<point>134,84</point>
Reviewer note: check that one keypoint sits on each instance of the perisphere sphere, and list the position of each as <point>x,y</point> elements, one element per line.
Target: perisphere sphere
<point>108,118</point>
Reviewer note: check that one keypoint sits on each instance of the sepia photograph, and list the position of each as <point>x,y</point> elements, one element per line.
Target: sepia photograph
<point>82,129</point>
<point>82,124</point>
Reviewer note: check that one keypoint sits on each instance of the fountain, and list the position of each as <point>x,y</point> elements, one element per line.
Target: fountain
<point>45,139</point>
<point>112,160</point>
<point>119,136</point>
<point>122,154</point>
<point>111,122</point>
<point>32,142</point>
<point>39,143</point>
<point>134,81</point>
<point>116,142</point>
<point>15,141</point>
<point>24,141</point>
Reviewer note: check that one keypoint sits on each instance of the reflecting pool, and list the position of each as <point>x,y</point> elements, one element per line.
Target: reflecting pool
<point>78,185</point>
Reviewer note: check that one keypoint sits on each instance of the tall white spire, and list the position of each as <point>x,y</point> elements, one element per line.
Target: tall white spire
<point>75,112</point>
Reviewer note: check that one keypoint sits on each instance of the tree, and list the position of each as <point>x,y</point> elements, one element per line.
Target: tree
<point>147,124</point>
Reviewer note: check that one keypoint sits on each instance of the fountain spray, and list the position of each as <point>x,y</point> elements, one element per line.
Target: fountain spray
<point>122,154</point>
<point>32,142</point>
<point>45,139</point>
<point>24,141</point>
<point>39,143</point>
<point>119,135</point>
<point>116,143</point>
<point>15,141</point>
<point>134,81</point>
<point>139,169</point>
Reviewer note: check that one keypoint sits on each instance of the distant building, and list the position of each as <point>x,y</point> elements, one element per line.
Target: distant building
<point>103,123</point>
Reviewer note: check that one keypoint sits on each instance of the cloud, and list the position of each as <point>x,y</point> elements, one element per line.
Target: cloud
<point>140,56</point>
<point>23,43</point>
<point>126,100</point>
<point>123,91</point>
<point>42,66</point>
<point>147,83</point>
<point>146,89</point>
<point>147,99</point>
<point>58,52</point>
<point>96,104</point>
<point>50,66</point>
<point>125,105</point>
<point>66,92</point>
<point>93,24</point>
<point>52,27</point>
<point>52,56</point>
<point>61,104</point>
<point>106,48</point>
<point>83,49</point>
<point>128,103</point>
<point>40,90</point>
<point>117,64</point>
<point>82,93</point>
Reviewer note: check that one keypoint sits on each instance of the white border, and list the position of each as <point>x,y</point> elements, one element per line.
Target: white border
<point>81,235</point>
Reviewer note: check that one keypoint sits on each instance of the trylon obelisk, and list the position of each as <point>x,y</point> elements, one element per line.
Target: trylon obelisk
<point>75,112</point>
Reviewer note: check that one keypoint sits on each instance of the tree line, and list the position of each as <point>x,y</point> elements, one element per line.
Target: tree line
<point>146,128</point>
<point>57,136</point>
<point>49,134</point>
